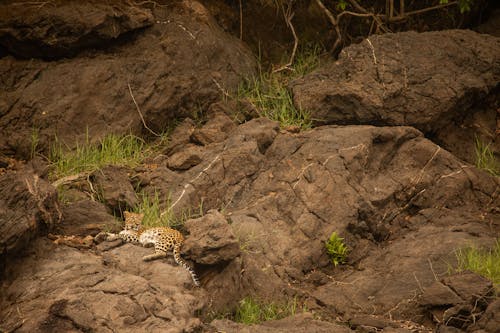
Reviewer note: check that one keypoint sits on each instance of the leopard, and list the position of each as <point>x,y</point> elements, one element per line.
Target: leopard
<point>164,240</point>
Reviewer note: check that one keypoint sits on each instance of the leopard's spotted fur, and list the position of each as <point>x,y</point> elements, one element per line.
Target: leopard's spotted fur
<point>164,240</point>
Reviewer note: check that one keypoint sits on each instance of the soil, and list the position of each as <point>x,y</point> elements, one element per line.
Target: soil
<point>388,168</point>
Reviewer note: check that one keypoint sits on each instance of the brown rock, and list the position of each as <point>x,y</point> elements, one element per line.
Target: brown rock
<point>185,159</point>
<point>216,129</point>
<point>28,204</point>
<point>64,29</point>
<point>438,294</point>
<point>211,240</point>
<point>181,58</point>
<point>113,184</point>
<point>86,217</point>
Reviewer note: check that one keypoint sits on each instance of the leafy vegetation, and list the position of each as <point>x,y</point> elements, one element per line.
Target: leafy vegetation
<point>485,159</point>
<point>485,262</point>
<point>250,311</point>
<point>336,249</point>
<point>270,95</point>
<point>127,150</point>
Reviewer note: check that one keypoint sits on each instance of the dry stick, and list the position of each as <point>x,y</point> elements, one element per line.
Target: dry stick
<point>334,22</point>
<point>69,179</point>
<point>288,15</point>
<point>359,8</point>
<point>241,21</point>
<point>420,11</point>
<point>140,113</point>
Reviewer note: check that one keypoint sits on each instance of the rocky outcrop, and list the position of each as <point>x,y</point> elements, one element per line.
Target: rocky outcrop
<point>456,300</point>
<point>63,28</point>
<point>401,202</point>
<point>28,204</point>
<point>145,74</point>
<point>295,324</point>
<point>435,81</point>
<point>61,289</point>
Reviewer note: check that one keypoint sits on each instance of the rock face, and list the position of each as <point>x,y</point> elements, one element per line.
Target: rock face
<point>401,202</point>
<point>117,193</point>
<point>435,81</point>
<point>211,240</point>
<point>60,289</point>
<point>64,28</point>
<point>457,299</point>
<point>295,324</point>
<point>271,198</point>
<point>93,94</point>
<point>28,204</point>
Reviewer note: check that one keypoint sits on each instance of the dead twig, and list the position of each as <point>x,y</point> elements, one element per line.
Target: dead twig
<point>70,179</point>
<point>334,22</point>
<point>241,21</point>
<point>288,15</point>
<point>140,113</point>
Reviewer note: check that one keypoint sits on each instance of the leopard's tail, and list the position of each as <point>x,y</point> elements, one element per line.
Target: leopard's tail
<point>180,261</point>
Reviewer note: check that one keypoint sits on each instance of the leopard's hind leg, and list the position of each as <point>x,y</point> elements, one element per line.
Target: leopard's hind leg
<point>158,254</point>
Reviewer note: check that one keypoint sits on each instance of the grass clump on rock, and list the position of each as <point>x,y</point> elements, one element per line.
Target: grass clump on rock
<point>270,95</point>
<point>127,150</point>
<point>485,158</point>
<point>485,262</point>
<point>155,216</point>
<point>251,311</point>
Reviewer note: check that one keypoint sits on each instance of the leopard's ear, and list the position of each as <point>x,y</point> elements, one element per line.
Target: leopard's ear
<point>126,214</point>
<point>141,216</point>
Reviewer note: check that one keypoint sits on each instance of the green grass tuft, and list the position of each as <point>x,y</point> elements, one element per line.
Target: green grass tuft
<point>156,216</point>
<point>485,159</point>
<point>250,311</point>
<point>336,249</point>
<point>270,95</point>
<point>113,149</point>
<point>485,262</point>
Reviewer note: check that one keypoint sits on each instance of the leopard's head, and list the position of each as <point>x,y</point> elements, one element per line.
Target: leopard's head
<point>133,220</point>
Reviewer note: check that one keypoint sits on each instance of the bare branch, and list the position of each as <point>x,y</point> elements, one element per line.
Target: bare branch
<point>288,15</point>
<point>140,113</point>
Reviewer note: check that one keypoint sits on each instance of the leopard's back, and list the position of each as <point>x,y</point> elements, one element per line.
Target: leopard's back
<point>164,238</point>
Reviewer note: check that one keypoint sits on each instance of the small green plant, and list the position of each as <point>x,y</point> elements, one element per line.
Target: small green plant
<point>463,5</point>
<point>336,249</point>
<point>251,311</point>
<point>127,150</point>
<point>485,159</point>
<point>485,262</point>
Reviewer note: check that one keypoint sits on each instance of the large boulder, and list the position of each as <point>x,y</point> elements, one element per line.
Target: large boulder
<point>211,240</point>
<point>62,28</point>
<point>435,81</point>
<point>139,83</point>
